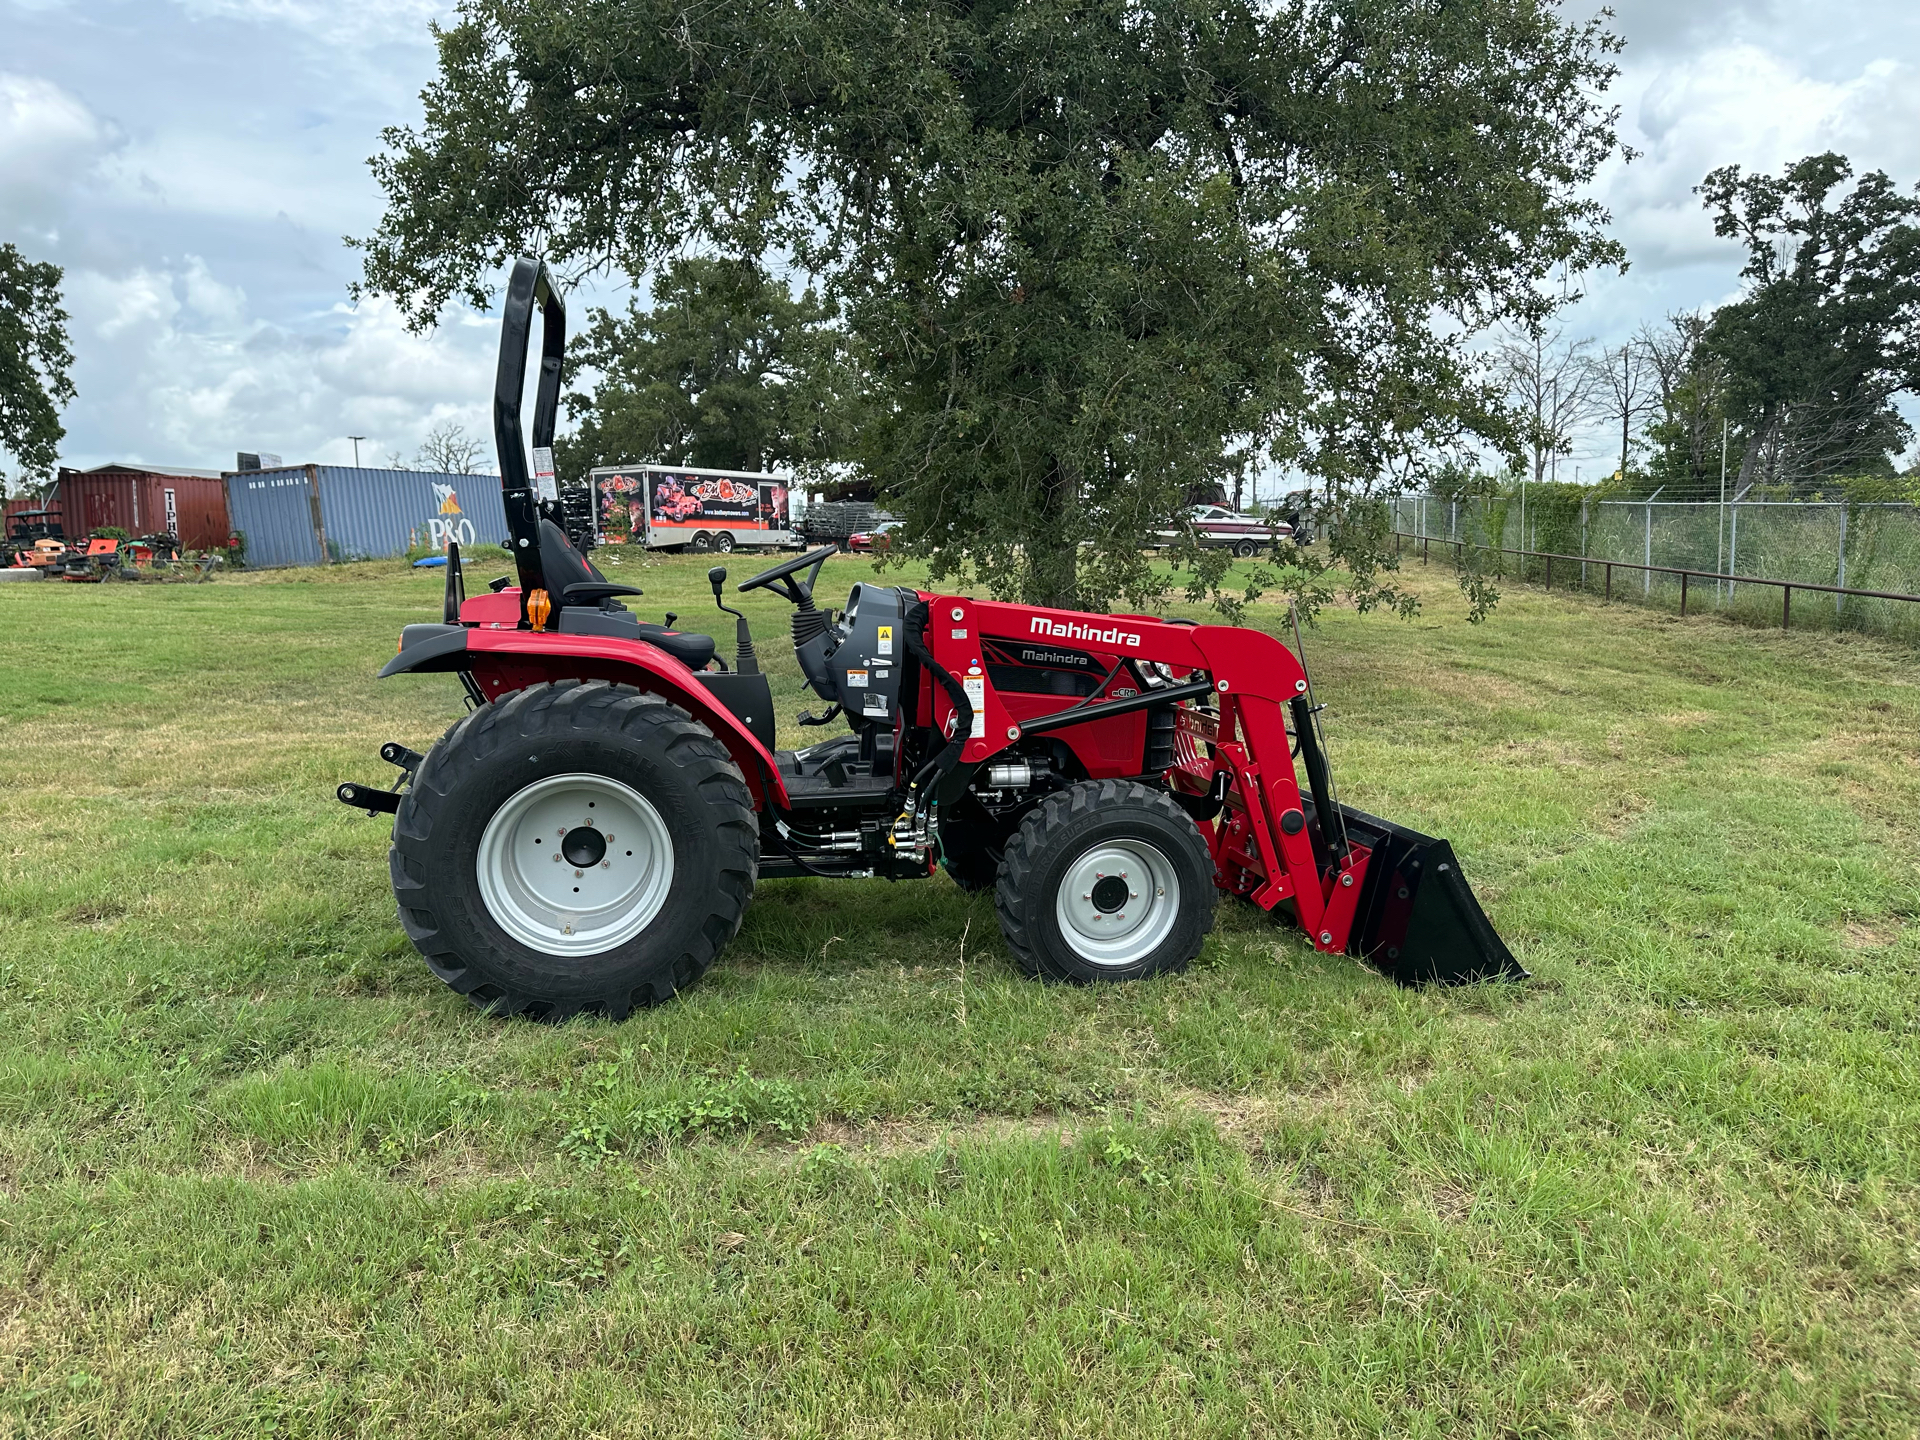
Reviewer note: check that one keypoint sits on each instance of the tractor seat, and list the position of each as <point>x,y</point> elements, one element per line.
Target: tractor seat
<point>692,651</point>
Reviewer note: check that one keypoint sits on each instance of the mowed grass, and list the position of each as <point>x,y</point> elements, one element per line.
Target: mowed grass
<point>260,1173</point>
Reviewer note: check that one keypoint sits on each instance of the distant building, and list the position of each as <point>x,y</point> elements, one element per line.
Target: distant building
<point>189,504</point>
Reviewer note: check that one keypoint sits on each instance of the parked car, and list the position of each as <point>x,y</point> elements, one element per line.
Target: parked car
<point>879,538</point>
<point>1222,529</point>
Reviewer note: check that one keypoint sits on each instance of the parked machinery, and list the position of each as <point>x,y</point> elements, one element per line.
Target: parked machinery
<point>589,836</point>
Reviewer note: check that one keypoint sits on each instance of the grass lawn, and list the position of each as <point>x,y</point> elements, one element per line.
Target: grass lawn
<point>260,1173</point>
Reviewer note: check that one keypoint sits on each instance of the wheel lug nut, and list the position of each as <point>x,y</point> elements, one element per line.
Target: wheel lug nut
<point>556,859</point>
<point>1133,895</point>
<point>605,863</point>
<point>578,873</point>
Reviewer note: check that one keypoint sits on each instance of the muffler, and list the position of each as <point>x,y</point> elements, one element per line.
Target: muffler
<point>1418,922</point>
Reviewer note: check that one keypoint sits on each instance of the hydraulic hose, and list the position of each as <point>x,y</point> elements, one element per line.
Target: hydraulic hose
<point>1318,782</point>
<point>949,756</point>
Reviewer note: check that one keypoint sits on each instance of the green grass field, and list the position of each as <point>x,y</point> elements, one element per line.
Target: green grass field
<point>260,1173</point>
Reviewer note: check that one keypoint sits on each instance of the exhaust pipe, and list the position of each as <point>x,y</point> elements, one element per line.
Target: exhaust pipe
<point>1418,922</point>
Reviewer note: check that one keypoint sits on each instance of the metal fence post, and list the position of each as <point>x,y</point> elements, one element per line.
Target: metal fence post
<point>1683,593</point>
<point>1733,546</point>
<point>1646,576</point>
<point>1456,519</point>
<point>1839,601</point>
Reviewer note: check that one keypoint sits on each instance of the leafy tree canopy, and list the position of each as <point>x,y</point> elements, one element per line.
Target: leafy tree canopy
<point>1829,331</point>
<point>35,359</point>
<point>1084,246</point>
<point>727,371</point>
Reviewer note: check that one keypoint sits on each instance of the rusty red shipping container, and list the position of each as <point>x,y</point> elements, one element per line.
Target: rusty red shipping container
<point>145,500</point>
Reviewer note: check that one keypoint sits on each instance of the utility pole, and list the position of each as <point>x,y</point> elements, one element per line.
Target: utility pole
<point>356,439</point>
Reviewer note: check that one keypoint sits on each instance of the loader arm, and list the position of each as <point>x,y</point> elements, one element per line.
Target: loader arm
<point>1261,842</point>
<point>1379,892</point>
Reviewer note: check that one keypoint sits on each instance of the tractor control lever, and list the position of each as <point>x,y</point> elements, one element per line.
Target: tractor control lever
<point>744,660</point>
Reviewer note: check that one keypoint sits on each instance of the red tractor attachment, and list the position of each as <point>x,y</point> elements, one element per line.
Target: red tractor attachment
<point>589,835</point>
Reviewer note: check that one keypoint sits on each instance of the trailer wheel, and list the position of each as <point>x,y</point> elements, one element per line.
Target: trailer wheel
<point>700,543</point>
<point>1106,881</point>
<point>575,847</point>
<point>723,542</point>
<point>1246,549</point>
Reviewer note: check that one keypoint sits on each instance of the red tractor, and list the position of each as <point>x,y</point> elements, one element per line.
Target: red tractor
<point>588,836</point>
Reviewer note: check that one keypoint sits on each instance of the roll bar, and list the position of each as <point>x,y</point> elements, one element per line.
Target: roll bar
<point>529,498</point>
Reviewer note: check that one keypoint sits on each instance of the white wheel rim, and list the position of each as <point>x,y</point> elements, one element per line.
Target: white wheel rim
<point>1103,932</point>
<point>543,889</point>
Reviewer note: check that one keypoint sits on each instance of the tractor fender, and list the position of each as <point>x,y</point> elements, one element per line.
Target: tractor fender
<point>427,650</point>
<point>502,661</point>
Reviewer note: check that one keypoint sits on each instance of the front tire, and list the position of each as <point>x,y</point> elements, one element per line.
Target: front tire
<point>1103,882</point>
<point>723,542</point>
<point>574,847</point>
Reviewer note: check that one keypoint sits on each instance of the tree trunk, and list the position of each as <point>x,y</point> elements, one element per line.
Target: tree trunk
<point>1052,554</point>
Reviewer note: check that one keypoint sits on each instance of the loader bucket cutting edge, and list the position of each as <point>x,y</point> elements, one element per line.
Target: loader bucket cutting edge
<point>1418,921</point>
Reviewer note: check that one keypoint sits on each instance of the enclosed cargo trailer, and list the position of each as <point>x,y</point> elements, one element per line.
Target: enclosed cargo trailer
<point>674,507</point>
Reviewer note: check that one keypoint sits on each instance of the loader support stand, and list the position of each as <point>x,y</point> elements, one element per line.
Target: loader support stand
<point>1327,844</point>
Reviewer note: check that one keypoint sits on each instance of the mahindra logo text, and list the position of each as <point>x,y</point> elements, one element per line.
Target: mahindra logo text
<point>1067,630</point>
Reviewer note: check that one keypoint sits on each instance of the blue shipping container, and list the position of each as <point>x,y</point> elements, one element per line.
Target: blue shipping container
<point>309,514</point>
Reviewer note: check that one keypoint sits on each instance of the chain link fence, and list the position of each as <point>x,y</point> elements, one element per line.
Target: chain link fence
<point>1860,547</point>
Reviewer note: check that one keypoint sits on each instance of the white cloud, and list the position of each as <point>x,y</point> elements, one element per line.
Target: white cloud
<point>193,163</point>
<point>50,142</point>
<point>1739,104</point>
<point>180,362</point>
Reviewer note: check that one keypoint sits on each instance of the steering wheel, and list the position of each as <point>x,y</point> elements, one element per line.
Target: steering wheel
<point>781,578</point>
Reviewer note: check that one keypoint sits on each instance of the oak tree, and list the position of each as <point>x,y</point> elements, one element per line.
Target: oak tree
<point>728,370</point>
<point>1085,246</point>
<point>35,365</point>
<point>1828,332</point>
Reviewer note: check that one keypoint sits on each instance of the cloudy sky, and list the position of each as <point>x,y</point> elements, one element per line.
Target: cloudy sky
<point>193,164</point>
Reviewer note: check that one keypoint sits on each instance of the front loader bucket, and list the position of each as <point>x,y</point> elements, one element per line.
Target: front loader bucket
<point>1418,921</point>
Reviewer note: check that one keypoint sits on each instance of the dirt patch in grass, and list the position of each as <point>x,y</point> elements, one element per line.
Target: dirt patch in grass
<point>1871,934</point>
<point>902,1137</point>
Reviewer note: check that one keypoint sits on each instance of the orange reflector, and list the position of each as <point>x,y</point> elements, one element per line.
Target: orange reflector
<point>538,608</point>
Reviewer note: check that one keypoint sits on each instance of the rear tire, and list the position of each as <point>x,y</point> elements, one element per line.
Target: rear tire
<point>701,543</point>
<point>723,542</point>
<point>1246,550</point>
<point>1106,881</point>
<point>660,896</point>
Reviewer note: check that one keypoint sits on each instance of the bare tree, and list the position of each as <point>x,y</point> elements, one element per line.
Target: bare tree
<point>449,450</point>
<point>1625,392</point>
<point>1692,382</point>
<point>1554,386</point>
